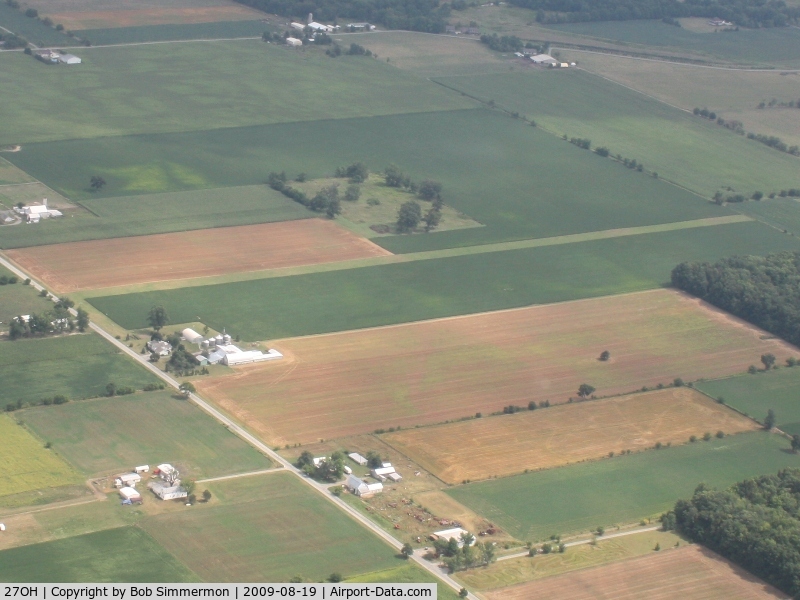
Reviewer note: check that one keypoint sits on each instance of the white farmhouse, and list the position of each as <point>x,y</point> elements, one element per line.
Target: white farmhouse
<point>167,492</point>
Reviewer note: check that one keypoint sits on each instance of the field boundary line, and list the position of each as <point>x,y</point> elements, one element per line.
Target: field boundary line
<point>357,263</point>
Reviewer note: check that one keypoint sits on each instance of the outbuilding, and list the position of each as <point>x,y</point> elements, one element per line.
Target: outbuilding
<point>543,59</point>
<point>142,469</point>
<point>128,493</point>
<point>361,488</point>
<point>453,534</point>
<point>69,59</point>
<point>357,458</point>
<point>130,479</point>
<point>191,336</point>
<point>167,492</point>
<point>294,42</point>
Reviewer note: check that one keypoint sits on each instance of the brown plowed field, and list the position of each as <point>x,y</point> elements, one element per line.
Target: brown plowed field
<point>569,433</point>
<point>689,573</point>
<point>421,373</point>
<point>101,19</point>
<point>167,256</point>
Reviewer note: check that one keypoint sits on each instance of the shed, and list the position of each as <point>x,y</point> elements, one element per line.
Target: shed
<point>543,59</point>
<point>130,479</point>
<point>290,41</point>
<point>128,493</point>
<point>382,473</point>
<point>298,26</point>
<point>361,488</point>
<point>357,458</point>
<point>69,59</point>
<point>142,469</point>
<point>191,336</point>
<point>453,534</point>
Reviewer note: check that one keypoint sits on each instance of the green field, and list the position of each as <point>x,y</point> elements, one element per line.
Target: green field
<point>193,86</point>
<point>183,31</point>
<point>18,299</point>
<point>756,394</point>
<point>122,555</point>
<point>26,464</point>
<point>32,30</point>
<point>76,366</point>
<point>778,46</point>
<point>622,489</point>
<point>783,213</point>
<point>159,213</point>
<point>101,436</point>
<point>513,178</point>
<point>408,573</point>
<point>288,530</point>
<point>396,293</point>
<point>9,174</point>
<point>680,147</point>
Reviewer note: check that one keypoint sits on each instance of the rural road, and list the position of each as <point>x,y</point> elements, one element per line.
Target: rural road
<point>583,542</point>
<point>257,443</point>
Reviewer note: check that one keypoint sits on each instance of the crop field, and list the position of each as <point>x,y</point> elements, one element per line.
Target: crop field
<point>756,394</point>
<point>180,31</point>
<point>26,464</point>
<point>9,174</point>
<point>432,55</point>
<point>517,570</point>
<point>147,214</point>
<point>124,261</point>
<point>692,572</point>
<point>186,87</point>
<point>101,436</point>
<point>366,297</point>
<point>336,385</point>
<point>570,433</point>
<point>18,299</point>
<point>732,94</point>
<point>122,555</point>
<point>409,573</point>
<point>32,30</point>
<point>768,46</point>
<point>783,213</point>
<point>76,366</point>
<point>139,16</point>
<point>289,530</point>
<point>688,150</point>
<point>476,154</point>
<point>622,489</point>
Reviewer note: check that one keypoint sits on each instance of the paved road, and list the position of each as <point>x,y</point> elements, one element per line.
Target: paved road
<point>582,542</point>
<point>256,443</point>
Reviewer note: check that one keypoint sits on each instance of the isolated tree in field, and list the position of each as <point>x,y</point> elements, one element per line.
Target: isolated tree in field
<point>96,182</point>
<point>409,216</point>
<point>206,495</point>
<point>395,177</point>
<point>111,389</point>
<point>407,550</point>
<point>157,317</point>
<point>585,390</point>
<point>432,219</point>
<point>83,320</point>
<point>795,443</point>
<point>768,360</point>
<point>429,190</point>
<point>605,355</point>
<point>186,388</point>
<point>769,420</point>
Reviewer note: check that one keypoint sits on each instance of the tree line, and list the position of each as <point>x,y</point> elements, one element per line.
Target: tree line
<point>744,13</point>
<point>755,523</point>
<point>764,290</point>
<point>415,15</point>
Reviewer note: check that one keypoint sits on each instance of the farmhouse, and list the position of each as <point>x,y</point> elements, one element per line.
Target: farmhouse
<point>69,59</point>
<point>168,473</point>
<point>361,488</point>
<point>159,347</point>
<point>130,494</point>
<point>543,59</point>
<point>357,458</point>
<point>452,534</point>
<point>47,56</point>
<point>166,491</point>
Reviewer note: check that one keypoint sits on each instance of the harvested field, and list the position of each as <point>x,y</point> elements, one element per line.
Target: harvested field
<point>99,19</point>
<point>342,384</point>
<point>123,261</point>
<point>690,573</point>
<point>570,433</point>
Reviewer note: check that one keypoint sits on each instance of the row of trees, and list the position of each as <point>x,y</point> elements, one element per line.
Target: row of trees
<point>772,141</point>
<point>755,523</point>
<point>326,200</point>
<point>506,43</point>
<point>764,290</point>
<point>414,15</point>
<point>464,553</point>
<point>745,13</point>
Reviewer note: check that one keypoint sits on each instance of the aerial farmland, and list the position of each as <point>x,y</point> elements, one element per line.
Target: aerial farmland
<point>376,296</point>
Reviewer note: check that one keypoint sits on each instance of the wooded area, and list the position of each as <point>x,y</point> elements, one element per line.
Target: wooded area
<point>764,290</point>
<point>744,13</point>
<point>755,523</point>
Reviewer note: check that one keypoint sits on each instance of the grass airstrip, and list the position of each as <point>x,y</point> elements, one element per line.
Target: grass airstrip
<point>347,383</point>
<point>543,439</point>
<point>621,489</point>
<point>381,295</point>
